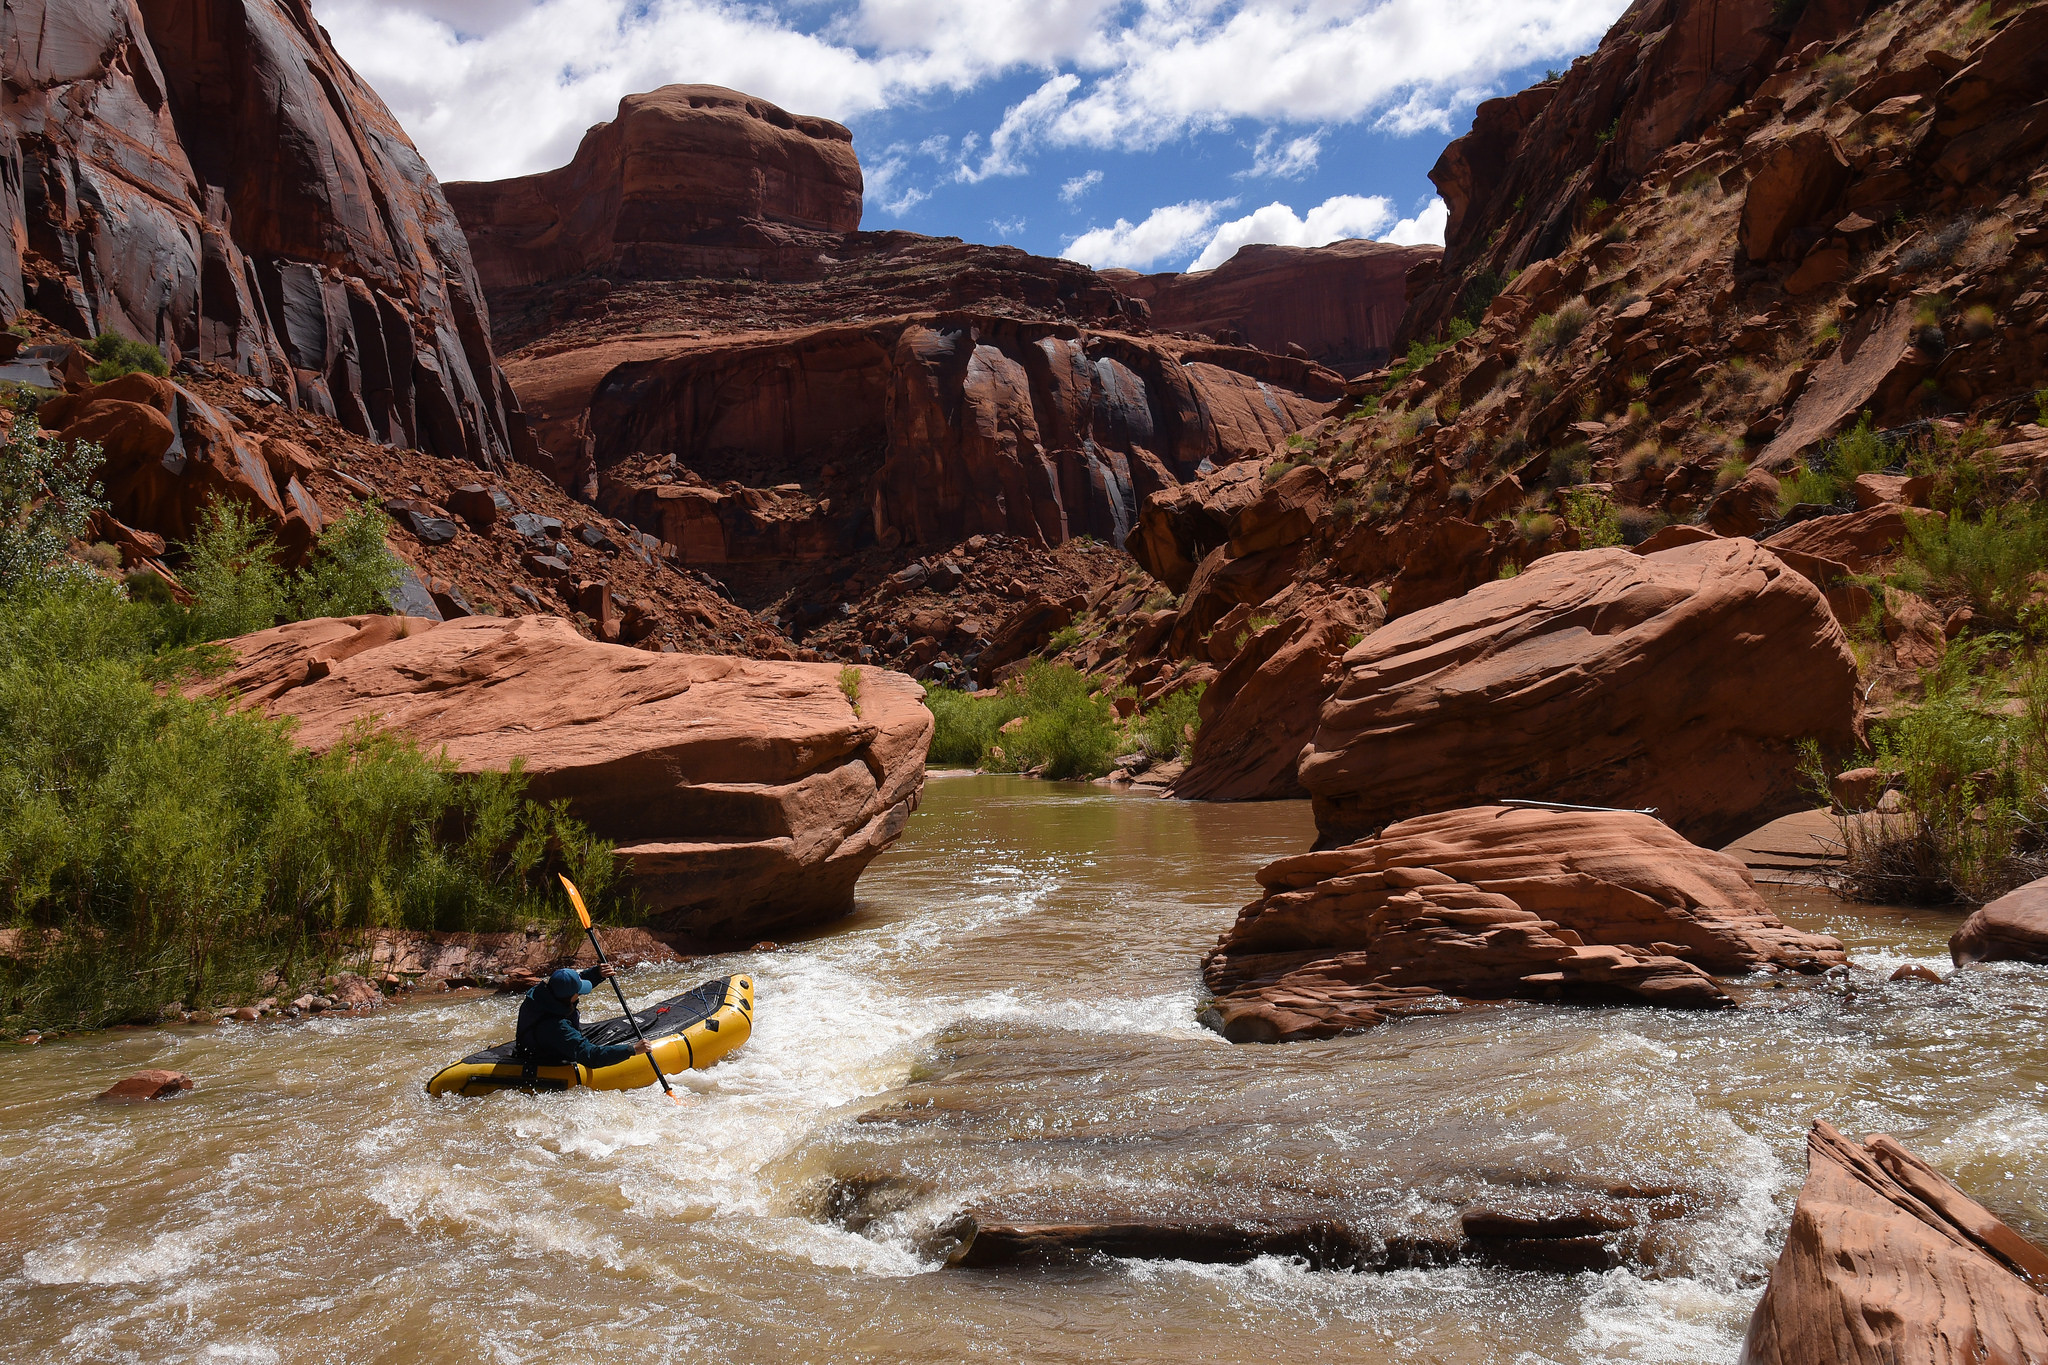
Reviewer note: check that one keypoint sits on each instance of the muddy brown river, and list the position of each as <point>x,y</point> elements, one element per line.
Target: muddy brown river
<point>1013,1010</point>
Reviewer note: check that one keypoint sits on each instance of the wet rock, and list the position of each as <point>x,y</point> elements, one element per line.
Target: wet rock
<point>1600,678</point>
<point>1915,971</point>
<point>144,1086</point>
<point>351,991</point>
<point>247,1014</point>
<point>745,794</point>
<point>2013,928</point>
<point>1493,903</point>
<point>988,1242</point>
<point>1888,1261</point>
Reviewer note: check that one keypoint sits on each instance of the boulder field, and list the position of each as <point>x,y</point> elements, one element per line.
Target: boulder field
<point>1494,902</point>
<point>209,176</point>
<point>746,795</point>
<point>1598,677</point>
<point>1888,1263</point>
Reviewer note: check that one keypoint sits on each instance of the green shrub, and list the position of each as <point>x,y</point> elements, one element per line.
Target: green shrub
<point>238,586</point>
<point>1552,333</point>
<point>119,355</point>
<point>1066,732</point>
<point>2041,406</point>
<point>155,848</point>
<point>1592,515</point>
<point>1169,729</point>
<point>1826,477</point>
<point>849,686</point>
<point>1479,292</point>
<point>47,496</point>
<point>351,570</point>
<point>966,724</point>
<point>1975,779</point>
<point>1990,559</point>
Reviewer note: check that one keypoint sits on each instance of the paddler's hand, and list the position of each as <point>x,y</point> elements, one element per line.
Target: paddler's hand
<point>606,971</point>
<point>643,1047</point>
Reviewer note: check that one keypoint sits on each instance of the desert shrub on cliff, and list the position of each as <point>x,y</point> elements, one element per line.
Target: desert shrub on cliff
<point>238,585</point>
<point>1990,561</point>
<point>119,355</point>
<point>47,497</point>
<point>1825,478</point>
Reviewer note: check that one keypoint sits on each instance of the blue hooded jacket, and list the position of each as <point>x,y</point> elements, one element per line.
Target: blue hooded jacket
<point>551,1032</point>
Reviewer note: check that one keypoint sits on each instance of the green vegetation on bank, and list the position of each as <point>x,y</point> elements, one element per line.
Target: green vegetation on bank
<point>158,848</point>
<point>1063,730</point>
<point>1971,762</point>
<point>118,355</point>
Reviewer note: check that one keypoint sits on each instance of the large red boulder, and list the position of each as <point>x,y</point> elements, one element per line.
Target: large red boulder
<point>1795,182</point>
<point>1888,1263</point>
<point>145,1086</point>
<point>1493,902</point>
<point>678,165</point>
<point>2013,928</point>
<point>214,179</point>
<point>747,796</point>
<point>1685,681</point>
<point>1340,303</point>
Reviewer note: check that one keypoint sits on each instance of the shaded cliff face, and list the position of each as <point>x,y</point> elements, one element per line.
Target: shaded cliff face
<point>210,176</point>
<point>1339,305</point>
<point>682,167</point>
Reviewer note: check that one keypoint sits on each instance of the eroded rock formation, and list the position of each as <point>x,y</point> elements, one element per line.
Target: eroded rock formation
<point>927,430</point>
<point>1338,305</point>
<point>1600,677</point>
<point>1888,1263</point>
<point>748,796</point>
<point>678,170</point>
<point>209,176</point>
<point>1493,902</point>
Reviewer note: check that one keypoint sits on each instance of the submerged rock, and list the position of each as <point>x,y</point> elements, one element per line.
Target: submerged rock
<point>746,795</point>
<point>1493,902</point>
<point>1684,680</point>
<point>2013,928</point>
<point>144,1086</point>
<point>1889,1262</point>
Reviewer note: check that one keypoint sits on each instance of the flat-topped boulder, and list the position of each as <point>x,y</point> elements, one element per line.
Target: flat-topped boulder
<point>1685,680</point>
<point>1888,1263</point>
<point>747,795</point>
<point>1494,902</point>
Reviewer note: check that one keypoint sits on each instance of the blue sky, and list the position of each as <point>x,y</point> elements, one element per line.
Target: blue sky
<point>1152,134</point>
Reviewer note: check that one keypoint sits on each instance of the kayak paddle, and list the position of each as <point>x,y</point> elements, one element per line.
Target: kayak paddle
<point>576,899</point>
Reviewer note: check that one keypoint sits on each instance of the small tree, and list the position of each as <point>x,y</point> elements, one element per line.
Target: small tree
<point>47,497</point>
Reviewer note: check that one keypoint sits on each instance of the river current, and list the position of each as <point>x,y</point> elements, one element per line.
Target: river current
<point>1015,999</point>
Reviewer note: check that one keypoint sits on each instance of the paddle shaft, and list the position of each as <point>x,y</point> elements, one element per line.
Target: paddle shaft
<point>591,930</point>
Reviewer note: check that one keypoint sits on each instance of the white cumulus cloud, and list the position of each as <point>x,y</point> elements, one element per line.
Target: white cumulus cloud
<point>1137,246</point>
<point>1345,215</point>
<point>1424,229</point>
<point>461,73</point>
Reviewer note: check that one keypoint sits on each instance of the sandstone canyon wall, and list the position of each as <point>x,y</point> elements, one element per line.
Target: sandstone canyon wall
<point>1339,305</point>
<point>210,176</point>
<point>682,167</point>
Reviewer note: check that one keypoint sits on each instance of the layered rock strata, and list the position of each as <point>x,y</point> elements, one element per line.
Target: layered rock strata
<point>678,170</point>
<point>747,796</point>
<point>1684,681</point>
<point>1888,1262</point>
<point>1338,305</point>
<point>1494,902</point>
<point>209,176</point>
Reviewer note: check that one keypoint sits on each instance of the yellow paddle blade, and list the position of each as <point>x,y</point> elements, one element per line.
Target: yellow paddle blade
<point>576,899</point>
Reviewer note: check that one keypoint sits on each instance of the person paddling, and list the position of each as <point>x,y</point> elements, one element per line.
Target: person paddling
<point>551,1031</point>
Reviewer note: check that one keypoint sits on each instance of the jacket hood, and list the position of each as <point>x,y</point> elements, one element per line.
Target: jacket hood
<point>552,1005</point>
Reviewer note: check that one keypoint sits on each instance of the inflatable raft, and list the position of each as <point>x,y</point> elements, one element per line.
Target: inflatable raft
<point>689,1031</point>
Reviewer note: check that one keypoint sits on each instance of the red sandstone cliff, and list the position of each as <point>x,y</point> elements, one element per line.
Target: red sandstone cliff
<point>1339,305</point>
<point>682,167</point>
<point>210,176</point>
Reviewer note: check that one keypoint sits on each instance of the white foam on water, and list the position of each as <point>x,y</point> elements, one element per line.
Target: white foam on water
<point>105,1260</point>
<point>1660,1322</point>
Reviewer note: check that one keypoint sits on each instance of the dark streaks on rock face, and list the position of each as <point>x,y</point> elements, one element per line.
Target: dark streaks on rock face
<point>211,177</point>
